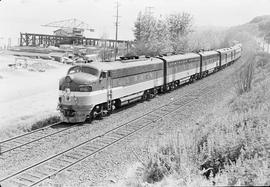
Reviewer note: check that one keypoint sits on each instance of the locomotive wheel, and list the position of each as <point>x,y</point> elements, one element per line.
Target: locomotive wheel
<point>109,112</point>
<point>178,83</point>
<point>144,97</point>
<point>155,92</point>
<point>172,87</point>
<point>117,103</point>
<point>89,119</point>
<point>148,96</point>
<point>98,112</point>
<point>103,113</point>
<point>167,88</point>
<point>191,79</point>
<point>175,84</point>
<point>162,89</point>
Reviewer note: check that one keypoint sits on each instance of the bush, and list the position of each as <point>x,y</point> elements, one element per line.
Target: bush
<point>45,122</point>
<point>245,79</point>
<point>106,54</point>
<point>262,59</point>
<point>230,146</point>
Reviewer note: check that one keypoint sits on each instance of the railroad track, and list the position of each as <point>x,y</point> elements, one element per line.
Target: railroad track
<point>25,139</point>
<point>30,137</point>
<point>40,171</point>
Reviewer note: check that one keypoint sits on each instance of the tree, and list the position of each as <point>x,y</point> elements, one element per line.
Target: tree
<point>154,36</point>
<point>138,28</point>
<point>144,34</point>
<point>179,26</point>
<point>160,42</point>
<point>105,54</point>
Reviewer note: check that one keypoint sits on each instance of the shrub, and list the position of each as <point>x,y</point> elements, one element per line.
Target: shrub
<point>226,147</point>
<point>106,54</point>
<point>245,79</point>
<point>45,122</point>
<point>262,59</point>
<point>230,146</point>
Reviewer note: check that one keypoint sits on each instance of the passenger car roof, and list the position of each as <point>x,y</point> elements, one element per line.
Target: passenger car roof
<point>225,50</point>
<point>180,57</point>
<point>207,53</point>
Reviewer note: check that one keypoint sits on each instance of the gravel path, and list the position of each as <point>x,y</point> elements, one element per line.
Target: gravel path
<point>112,163</point>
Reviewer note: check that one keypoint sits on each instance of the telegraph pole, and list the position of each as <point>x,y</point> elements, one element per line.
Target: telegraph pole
<point>9,43</point>
<point>1,45</point>
<point>116,30</point>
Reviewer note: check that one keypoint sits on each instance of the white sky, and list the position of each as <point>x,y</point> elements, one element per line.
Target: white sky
<point>28,15</point>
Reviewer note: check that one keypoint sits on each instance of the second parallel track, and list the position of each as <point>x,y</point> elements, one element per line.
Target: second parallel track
<point>50,166</point>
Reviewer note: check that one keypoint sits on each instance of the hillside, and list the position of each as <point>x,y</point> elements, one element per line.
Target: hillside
<point>258,26</point>
<point>228,145</point>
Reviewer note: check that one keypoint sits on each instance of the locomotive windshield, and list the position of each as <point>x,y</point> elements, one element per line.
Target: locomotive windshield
<point>83,69</point>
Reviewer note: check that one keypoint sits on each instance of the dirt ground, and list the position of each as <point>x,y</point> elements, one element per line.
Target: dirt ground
<point>28,92</point>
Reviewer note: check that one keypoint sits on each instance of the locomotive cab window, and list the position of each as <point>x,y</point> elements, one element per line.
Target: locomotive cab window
<point>83,69</point>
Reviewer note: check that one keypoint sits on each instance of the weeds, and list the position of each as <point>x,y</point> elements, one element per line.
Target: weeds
<point>245,79</point>
<point>262,59</point>
<point>228,147</point>
<point>45,122</point>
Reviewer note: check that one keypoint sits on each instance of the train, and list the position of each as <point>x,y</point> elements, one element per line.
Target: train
<point>91,90</point>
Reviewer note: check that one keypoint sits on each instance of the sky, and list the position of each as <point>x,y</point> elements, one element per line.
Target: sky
<point>28,15</point>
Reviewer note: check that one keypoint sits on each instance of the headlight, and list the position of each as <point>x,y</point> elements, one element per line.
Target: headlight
<point>85,88</point>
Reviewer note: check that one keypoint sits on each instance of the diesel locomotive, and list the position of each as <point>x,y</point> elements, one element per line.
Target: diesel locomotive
<point>97,88</point>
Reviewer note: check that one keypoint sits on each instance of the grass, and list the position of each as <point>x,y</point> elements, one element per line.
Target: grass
<point>29,126</point>
<point>245,78</point>
<point>45,122</point>
<point>230,146</point>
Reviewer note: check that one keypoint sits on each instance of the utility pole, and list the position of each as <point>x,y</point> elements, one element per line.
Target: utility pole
<point>1,44</point>
<point>116,30</point>
<point>9,43</point>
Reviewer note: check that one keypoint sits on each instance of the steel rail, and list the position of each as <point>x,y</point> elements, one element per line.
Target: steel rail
<point>172,106</point>
<point>19,143</point>
<point>31,132</point>
<point>8,144</point>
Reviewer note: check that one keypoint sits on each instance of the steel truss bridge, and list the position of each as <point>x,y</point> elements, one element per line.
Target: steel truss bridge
<point>30,39</point>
